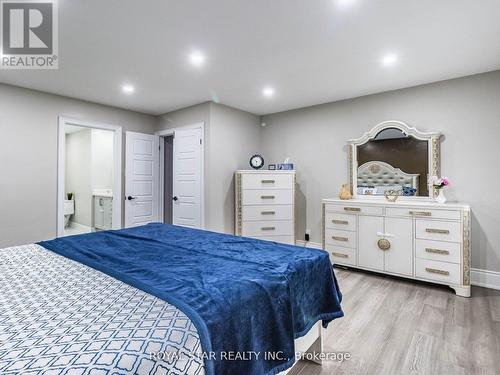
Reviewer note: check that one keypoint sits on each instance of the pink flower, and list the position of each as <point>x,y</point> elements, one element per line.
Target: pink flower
<point>445,182</point>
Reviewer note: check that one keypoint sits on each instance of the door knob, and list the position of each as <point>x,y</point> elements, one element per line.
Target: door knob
<point>175,199</point>
<point>130,198</point>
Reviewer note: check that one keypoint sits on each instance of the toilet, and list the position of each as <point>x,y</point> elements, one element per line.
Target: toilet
<point>69,209</point>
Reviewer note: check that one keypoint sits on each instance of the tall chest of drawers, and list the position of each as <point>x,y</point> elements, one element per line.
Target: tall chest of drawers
<point>265,205</point>
<point>424,241</point>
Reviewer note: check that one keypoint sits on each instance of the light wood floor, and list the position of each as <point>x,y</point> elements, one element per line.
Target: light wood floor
<point>398,327</point>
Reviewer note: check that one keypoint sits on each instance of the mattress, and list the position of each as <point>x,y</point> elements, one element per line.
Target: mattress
<point>58,316</point>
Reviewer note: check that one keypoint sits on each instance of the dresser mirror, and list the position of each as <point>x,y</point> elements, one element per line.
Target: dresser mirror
<point>394,159</point>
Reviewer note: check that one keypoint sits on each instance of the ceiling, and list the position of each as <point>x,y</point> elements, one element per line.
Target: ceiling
<point>310,52</point>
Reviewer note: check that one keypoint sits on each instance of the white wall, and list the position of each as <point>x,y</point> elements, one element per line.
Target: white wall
<point>231,136</point>
<point>466,110</point>
<point>102,159</point>
<point>79,174</point>
<point>235,137</point>
<point>28,154</point>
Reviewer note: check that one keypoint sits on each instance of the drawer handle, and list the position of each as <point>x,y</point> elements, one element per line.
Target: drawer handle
<point>343,239</point>
<point>340,255</point>
<point>345,222</point>
<point>420,213</point>
<point>268,181</point>
<point>355,209</point>
<point>267,197</point>
<point>437,251</point>
<point>268,228</point>
<point>439,272</point>
<point>438,231</point>
<point>268,213</point>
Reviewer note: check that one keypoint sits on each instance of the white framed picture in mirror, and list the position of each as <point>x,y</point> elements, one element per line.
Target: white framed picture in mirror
<point>396,158</point>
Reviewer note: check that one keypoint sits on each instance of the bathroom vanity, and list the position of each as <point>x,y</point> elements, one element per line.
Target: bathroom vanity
<point>103,210</point>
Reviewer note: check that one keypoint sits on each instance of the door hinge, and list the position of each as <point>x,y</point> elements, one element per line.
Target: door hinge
<point>200,141</point>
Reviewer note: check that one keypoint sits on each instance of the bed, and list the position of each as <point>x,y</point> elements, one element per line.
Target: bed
<point>160,299</point>
<point>376,177</point>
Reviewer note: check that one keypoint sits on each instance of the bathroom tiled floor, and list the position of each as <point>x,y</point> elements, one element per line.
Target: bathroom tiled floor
<point>76,229</point>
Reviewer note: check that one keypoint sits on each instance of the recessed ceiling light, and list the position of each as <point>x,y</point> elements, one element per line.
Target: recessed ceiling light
<point>345,3</point>
<point>128,89</point>
<point>197,58</point>
<point>268,92</point>
<point>390,59</point>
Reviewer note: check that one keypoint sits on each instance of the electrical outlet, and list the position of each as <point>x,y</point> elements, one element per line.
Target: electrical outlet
<point>307,236</point>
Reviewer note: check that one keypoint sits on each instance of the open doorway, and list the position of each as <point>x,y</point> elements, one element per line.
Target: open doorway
<point>168,177</point>
<point>181,177</point>
<point>89,177</point>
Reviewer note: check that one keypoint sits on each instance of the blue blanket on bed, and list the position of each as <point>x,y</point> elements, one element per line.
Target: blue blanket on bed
<point>243,295</point>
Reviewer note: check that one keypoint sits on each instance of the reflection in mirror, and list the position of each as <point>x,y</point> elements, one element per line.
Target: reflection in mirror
<point>393,160</point>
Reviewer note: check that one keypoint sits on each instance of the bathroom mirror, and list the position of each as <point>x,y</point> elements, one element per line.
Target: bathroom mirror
<point>394,157</point>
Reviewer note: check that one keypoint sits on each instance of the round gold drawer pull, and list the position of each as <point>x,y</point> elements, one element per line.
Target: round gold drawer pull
<point>384,244</point>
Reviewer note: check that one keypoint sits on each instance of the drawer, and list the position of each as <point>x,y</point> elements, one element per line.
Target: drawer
<point>289,240</point>
<point>438,230</point>
<point>442,272</point>
<point>341,255</point>
<point>267,181</point>
<point>336,220</point>
<point>354,209</point>
<point>340,238</point>
<point>268,212</point>
<point>268,196</point>
<point>423,213</point>
<point>267,228</point>
<point>438,250</point>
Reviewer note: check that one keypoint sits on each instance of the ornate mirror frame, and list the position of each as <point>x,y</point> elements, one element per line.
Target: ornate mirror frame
<point>434,155</point>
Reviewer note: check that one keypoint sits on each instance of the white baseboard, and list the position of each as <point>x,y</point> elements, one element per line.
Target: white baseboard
<point>484,278</point>
<point>312,245</point>
<point>479,277</point>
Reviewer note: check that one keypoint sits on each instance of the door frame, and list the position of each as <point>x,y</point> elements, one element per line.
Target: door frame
<point>161,190</point>
<point>61,168</point>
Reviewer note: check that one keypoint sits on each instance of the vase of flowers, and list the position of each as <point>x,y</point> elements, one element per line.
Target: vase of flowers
<point>439,183</point>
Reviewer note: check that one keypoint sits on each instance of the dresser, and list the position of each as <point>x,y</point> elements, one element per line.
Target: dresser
<point>265,205</point>
<point>417,240</point>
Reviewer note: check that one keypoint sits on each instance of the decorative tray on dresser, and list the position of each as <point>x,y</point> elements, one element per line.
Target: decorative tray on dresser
<point>265,205</point>
<point>419,240</point>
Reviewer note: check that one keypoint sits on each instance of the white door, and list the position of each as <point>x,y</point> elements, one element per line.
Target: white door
<point>141,179</point>
<point>399,258</point>
<point>369,254</point>
<point>187,175</point>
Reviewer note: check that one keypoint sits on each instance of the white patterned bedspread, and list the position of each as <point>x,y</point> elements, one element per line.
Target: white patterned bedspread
<point>58,316</point>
